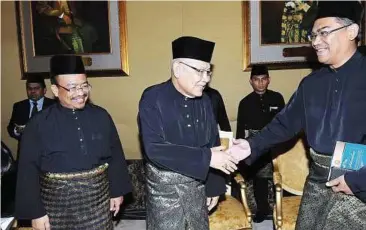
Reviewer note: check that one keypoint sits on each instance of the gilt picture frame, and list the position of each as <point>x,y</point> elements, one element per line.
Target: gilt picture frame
<point>46,29</point>
<point>266,39</point>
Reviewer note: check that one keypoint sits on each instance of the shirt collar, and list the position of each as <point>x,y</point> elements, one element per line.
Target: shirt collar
<point>175,93</point>
<point>70,111</point>
<point>260,95</point>
<point>357,55</point>
<point>39,102</point>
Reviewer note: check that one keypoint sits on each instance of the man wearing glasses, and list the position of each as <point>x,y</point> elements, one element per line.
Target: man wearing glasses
<point>72,170</point>
<point>329,106</point>
<point>181,142</point>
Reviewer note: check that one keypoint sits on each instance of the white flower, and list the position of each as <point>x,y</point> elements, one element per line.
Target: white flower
<point>290,4</point>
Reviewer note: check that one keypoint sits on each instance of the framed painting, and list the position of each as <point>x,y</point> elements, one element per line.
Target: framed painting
<point>272,34</point>
<point>95,30</point>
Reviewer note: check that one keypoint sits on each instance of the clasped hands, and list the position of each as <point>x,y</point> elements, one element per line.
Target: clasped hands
<point>226,159</point>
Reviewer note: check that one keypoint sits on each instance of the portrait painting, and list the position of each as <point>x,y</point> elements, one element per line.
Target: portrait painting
<point>274,34</point>
<point>95,30</point>
<point>70,27</point>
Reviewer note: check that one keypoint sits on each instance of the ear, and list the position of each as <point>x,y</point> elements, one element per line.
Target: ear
<point>353,31</point>
<point>54,90</point>
<point>269,80</point>
<point>176,69</point>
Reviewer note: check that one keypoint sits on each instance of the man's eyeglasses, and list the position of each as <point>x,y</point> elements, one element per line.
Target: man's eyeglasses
<point>85,87</point>
<point>324,33</point>
<point>199,71</point>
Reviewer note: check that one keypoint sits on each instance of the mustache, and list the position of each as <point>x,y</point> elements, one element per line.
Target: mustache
<point>79,97</point>
<point>320,47</point>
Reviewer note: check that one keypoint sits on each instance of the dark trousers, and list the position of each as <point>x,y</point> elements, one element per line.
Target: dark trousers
<point>260,189</point>
<point>260,173</point>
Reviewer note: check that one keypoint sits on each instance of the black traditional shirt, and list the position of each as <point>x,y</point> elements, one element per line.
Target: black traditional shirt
<point>63,140</point>
<point>330,106</point>
<point>177,134</point>
<point>218,108</point>
<point>257,110</point>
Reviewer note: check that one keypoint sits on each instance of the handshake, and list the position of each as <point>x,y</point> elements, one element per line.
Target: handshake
<point>228,155</point>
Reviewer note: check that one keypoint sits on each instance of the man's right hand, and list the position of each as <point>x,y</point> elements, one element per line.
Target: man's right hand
<point>19,129</point>
<point>222,161</point>
<point>42,223</point>
<point>240,149</point>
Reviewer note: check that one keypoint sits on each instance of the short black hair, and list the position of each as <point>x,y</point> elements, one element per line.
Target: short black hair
<point>36,79</point>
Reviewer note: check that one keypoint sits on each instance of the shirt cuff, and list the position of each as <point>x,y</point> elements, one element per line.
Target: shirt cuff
<point>353,179</point>
<point>16,133</point>
<point>253,153</point>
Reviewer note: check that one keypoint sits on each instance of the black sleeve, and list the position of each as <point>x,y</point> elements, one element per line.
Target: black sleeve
<point>241,121</point>
<point>356,182</point>
<point>222,118</point>
<point>281,102</point>
<point>28,203</point>
<point>120,182</point>
<point>11,125</point>
<point>215,184</point>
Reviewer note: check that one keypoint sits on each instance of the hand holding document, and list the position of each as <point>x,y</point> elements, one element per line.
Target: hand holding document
<point>19,128</point>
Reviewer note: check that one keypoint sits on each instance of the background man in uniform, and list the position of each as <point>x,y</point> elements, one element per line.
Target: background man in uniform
<point>255,111</point>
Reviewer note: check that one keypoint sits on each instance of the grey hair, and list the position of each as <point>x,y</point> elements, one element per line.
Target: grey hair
<point>347,21</point>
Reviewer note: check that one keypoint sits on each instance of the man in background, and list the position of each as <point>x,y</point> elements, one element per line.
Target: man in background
<point>255,111</point>
<point>25,109</point>
<point>218,106</point>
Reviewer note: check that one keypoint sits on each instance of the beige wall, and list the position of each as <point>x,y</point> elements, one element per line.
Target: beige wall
<point>151,28</point>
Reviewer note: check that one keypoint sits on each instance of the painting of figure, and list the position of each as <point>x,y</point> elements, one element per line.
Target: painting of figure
<point>281,22</point>
<point>70,27</point>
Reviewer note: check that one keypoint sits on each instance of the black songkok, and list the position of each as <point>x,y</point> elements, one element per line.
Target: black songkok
<point>259,70</point>
<point>352,10</point>
<point>66,64</point>
<point>192,47</point>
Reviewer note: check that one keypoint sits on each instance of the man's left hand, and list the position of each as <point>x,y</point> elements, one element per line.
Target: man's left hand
<point>115,203</point>
<point>212,202</point>
<point>339,185</point>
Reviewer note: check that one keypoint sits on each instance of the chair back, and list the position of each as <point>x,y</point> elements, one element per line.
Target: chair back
<point>293,166</point>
